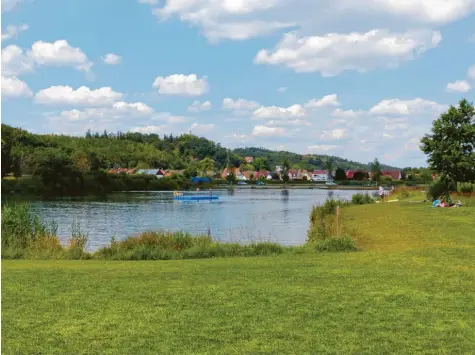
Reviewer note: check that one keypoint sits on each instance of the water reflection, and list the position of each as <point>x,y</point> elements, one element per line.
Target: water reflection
<point>240,215</point>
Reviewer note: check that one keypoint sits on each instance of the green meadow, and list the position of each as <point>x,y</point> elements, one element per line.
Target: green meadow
<point>408,289</point>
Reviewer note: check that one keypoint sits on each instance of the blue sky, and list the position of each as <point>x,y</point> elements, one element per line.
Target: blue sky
<point>353,78</point>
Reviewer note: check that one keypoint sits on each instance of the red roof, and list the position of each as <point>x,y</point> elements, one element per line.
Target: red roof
<point>394,174</point>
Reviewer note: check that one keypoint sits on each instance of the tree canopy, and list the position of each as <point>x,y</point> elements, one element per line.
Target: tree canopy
<point>451,143</point>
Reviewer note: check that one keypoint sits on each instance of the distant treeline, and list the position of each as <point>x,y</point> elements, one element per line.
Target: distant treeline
<point>59,165</point>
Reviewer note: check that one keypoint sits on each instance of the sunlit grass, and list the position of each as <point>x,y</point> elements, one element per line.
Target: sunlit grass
<point>409,289</point>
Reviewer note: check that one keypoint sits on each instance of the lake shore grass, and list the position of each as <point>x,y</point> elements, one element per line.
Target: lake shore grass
<point>27,237</point>
<point>410,289</point>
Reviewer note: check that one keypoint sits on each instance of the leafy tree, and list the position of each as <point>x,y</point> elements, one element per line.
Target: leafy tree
<point>340,174</point>
<point>259,164</point>
<point>330,166</point>
<point>247,167</point>
<point>450,146</point>
<point>231,178</point>
<point>206,165</point>
<point>360,176</point>
<point>285,172</point>
<point>375,170</point>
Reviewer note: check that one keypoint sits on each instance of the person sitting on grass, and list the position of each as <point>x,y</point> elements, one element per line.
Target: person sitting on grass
<point>443,203</point>
<point>381,193</point>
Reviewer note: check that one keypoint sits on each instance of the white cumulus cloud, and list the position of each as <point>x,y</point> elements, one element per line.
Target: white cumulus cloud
<point>150,129</point>
<point>15,61</point>
<point>458,86</point>
<point>269,112</point>
<point>406,107</point>
<point>13,31</point>
<point>264,131</point>
<point>198,128</point>
<point>198,106</point>
<point>239,104</point>
<point>118,110</point>
<point>9,5</point>
<point>326,101</point>
<point>14,87</point>
<point>112,59</point>
<point>334,134</point>
<point>333,53</point>
<point>242,19</point>
<point>181,84</point>
<point>83,96</point>
<point>59,53</point>
<point>347,113</point>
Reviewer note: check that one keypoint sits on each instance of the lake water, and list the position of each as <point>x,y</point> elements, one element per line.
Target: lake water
<point>242,215</point>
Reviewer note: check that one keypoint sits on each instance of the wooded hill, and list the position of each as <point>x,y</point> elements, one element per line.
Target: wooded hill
<point>23,153</point>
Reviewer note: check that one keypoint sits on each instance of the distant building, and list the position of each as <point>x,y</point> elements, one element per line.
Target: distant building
<point>393,174</point>
<point>237,173</point>
<point>249,159</point>
<point>320,175</point>
<point>158,173</point>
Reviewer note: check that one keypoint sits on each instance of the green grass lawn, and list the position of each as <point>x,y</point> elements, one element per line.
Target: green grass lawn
<point>409,290</point>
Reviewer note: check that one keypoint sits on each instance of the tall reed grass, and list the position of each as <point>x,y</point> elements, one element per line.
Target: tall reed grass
<point>326,232</point>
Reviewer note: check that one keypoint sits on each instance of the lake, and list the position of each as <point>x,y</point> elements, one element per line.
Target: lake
<point>242,215</point>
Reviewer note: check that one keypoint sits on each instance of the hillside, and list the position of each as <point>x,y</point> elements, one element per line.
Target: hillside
<point>24,153</point>
<point>309,162</point>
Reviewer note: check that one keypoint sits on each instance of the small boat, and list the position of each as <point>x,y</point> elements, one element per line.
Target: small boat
<point>178,196</point>
<point>195,198</point>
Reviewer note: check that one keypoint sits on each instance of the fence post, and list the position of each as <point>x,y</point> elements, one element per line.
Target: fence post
<point>338,221</point>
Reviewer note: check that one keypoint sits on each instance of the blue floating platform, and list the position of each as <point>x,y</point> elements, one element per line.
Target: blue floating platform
<point>195,198</point>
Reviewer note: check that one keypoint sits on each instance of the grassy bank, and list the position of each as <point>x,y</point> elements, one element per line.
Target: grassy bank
<point>410,289</point>
<point>27,237</point>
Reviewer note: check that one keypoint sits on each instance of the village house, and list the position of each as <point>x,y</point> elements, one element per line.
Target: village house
<point>158,173</point>
<point>393,174</point>
<point>119,171</point>
<point>320,175</point>
<point>237,173</point>
<point>249,159</point>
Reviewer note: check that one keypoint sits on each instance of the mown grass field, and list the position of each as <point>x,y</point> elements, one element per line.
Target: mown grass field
<point>409,290</point>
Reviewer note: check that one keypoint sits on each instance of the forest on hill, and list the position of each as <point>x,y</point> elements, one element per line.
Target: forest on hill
<point>23,153</point>
<point>66,165</point>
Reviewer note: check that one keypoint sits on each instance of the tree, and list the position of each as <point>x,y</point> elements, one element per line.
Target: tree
<point>231,178</point>
<point>285,172</point>
<point>206,165</point>
<point>330,166</point>
<point>375,170</point>
<point>451,143</point>
<point>360,176</point>
<point>340,174</point>
<point>259,164</point>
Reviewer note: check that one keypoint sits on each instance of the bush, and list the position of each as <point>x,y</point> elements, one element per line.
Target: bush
<point>361,199</point>
<point>466,188</point>
<point>437,189</point>
<point>336,244</point>
<point>178,245</point>
<point>323,220</point>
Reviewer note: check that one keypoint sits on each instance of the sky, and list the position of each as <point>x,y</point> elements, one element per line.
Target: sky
<point>358,79</point>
